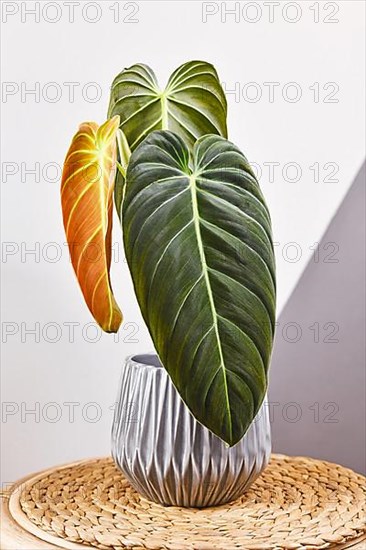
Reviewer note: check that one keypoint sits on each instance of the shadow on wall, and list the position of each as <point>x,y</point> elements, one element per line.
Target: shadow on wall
<point>317,382</point>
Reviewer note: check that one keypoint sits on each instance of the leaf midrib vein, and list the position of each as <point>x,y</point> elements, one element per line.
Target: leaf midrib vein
<point>196,219</point>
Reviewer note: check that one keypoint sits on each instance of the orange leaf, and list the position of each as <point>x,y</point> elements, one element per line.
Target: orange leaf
<point>87,200</point>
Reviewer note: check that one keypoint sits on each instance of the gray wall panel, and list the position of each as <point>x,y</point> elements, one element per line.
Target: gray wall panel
<point>317,388</point>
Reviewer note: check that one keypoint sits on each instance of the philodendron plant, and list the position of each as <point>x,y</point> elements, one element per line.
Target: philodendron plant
<point>196,233</point>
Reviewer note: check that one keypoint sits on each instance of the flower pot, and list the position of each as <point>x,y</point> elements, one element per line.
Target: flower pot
<point>167,455</point>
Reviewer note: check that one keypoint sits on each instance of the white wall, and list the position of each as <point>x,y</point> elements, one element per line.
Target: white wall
<point>37,290</point>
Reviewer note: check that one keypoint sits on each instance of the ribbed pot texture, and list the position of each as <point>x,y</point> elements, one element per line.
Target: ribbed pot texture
<point>167,455</point>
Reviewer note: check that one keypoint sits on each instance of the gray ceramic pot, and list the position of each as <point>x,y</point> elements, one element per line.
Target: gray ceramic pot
<point>167,455</point>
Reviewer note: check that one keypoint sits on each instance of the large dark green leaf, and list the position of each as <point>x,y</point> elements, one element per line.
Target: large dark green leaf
<point>193,103</point>
<point>197,237</point>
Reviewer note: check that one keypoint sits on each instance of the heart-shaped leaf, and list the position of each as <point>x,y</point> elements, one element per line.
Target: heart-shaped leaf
<point>197,237</point>
<point>86,196</point>
<point>193,103</point>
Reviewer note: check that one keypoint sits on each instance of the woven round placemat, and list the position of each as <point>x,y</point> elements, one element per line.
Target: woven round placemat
<point>296,503</point>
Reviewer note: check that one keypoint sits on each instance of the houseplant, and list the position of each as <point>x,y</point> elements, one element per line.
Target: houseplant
<point>197,238</point>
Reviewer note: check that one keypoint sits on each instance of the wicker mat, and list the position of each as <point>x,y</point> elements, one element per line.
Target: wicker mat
<point>296,503</point>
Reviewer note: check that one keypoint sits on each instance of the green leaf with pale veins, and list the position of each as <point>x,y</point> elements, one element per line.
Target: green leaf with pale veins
<point>192,104</point>
<point>197,236</point>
